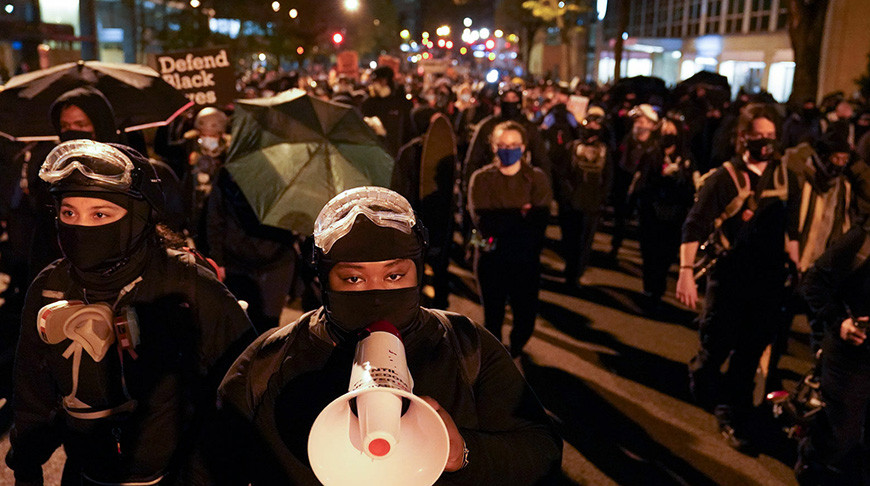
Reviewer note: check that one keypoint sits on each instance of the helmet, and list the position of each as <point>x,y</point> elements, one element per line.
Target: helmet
<point>88,166</point>
<point>368,211</point>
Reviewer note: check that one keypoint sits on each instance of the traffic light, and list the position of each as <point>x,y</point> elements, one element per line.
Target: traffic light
<point>337,38</point>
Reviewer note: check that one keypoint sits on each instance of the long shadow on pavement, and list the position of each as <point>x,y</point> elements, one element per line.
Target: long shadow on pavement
<point>605,436</point>
<point>648,369</point>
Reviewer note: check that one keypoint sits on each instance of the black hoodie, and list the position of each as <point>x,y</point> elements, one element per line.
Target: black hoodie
<point>91,101</point>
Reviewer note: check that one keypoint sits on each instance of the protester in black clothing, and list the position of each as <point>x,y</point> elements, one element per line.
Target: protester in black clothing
<point>369,253</point>
<point>837,289</point>
<point>481,153</point>
<point>122,341</point>
<point>750,206</point>
<point>584,184</point>
<point>387,102</point>
<point>803,125</point>
<point>509,202</point>
<point>640,144</point>
<point>259,261</point>
<point>665,190</point>
<point>435,210</point>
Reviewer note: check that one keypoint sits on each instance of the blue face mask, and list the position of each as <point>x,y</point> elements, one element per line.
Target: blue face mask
<point>509,156</point>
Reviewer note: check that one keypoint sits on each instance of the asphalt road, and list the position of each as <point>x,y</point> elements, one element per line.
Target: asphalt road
<point>615,383</point>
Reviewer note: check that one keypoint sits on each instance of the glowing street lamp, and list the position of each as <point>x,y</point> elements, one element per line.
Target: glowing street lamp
<point>337,38</point>
<point>276,6</point>
<point>300,50</point>
<point>351,5</point>
<point>443,31</point>
<point>467,22</point>
<point>498,33</point>
<point>294,13</point>
<point>194,3</point>
<point>405,34</point>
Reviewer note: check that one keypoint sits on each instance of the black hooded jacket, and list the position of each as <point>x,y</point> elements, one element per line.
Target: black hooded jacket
<point>91,101</point>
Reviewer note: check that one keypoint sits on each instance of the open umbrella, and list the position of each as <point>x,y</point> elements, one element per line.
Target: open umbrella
<point>707,78</point>
<point>644,87</point>
<point>139,97</point>
<point>292,153</point>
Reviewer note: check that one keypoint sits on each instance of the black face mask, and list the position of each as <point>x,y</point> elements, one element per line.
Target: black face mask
<point>755,148</point>
<point>68,135</point>
<point>353,311</point>
<point>94,248</point>
<point>669,140</point>
<point>511,111</point>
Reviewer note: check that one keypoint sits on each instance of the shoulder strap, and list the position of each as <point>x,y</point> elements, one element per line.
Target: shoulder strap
<point>744,190</point>
<point>780,184</point>
<point>470,358</point>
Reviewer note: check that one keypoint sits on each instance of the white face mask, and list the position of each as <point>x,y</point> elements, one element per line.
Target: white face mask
<point>209,143</point>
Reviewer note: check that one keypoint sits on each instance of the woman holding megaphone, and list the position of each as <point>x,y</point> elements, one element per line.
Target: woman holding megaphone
<point>333,397</point>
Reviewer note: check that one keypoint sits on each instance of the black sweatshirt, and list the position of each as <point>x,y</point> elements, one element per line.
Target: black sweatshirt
<point>275,390</point>
<point>512,209</point>
<point>191,327</point>
<point>758,242</point>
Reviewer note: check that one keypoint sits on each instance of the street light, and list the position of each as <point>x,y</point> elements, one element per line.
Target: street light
<point>337,38</point>
<point>498,33</point>
<point>276,6</point>
<point>467,22</point>
<point>294,13</point>
<point>405,34</point>
<point>194,3</point>
<point>351,5</point>
<point>443,31</point>
<point>484,33</point>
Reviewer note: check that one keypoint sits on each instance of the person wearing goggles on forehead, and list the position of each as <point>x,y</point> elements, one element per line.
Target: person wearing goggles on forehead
<point>123,340</point>
<point>369,249</point>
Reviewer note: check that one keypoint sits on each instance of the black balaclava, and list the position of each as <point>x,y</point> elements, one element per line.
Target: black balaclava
<point>96,106</point>
<point>349,312</point>
<point>511,110</point>
<point>109,256</point>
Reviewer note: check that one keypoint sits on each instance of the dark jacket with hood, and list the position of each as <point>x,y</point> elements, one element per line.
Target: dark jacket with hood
<point>190,328</point>
<point>95,105</point>
<point>279,385</point>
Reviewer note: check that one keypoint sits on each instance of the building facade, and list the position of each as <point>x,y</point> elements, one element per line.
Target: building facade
<point>744,40</point>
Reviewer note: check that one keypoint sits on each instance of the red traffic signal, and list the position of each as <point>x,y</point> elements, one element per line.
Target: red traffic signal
<point>337,38</point>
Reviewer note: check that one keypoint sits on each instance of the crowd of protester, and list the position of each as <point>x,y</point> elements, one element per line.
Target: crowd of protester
<point>762,206</point>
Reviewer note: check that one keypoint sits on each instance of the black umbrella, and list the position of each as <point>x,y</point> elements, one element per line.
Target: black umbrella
<point>644,87</point>
<point>139,97</point>
<point>708,79</point>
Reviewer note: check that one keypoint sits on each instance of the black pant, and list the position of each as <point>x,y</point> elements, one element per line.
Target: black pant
<point>623,207</point>
<point>659,248</point>
<point>501,280</point>
<point>837,437</point>
<point>741,315</point>
<point>578,234</point>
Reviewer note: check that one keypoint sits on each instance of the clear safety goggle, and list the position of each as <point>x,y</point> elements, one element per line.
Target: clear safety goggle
<point>382,206</point>
<point>94,160</point>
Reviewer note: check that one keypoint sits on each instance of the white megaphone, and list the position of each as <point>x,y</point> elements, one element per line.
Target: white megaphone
<point>378,433</point>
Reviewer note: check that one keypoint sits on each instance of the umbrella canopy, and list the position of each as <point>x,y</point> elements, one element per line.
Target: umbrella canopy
<point>707,78</point>
<point>292,153</point>
<point>645,87</point>
<point>139,97</point>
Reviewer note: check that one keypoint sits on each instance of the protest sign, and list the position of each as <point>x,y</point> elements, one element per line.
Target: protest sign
<point>205,76</point>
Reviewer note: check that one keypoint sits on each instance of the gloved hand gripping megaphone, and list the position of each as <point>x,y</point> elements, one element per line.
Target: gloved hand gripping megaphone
<point>379,432</point>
